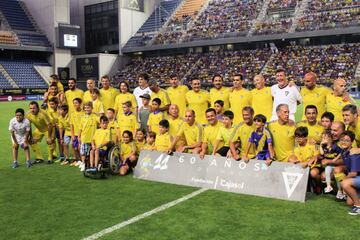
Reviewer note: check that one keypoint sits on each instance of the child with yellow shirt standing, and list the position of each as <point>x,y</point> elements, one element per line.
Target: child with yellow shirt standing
<point>75,116</point>
<point>163,139</point>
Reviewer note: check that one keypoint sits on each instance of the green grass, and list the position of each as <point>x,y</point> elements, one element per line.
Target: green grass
<point>57,202</point>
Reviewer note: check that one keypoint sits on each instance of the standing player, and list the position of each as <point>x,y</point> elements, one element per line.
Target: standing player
<point>107,93</point>
<point>198,100</point>
<point>90,85</point>
<point>142,89</point>
<point>262,100</point>
<point>160,93</point>
<point>239,98</point>
<point>72,93</point>
<point>219,92</point>
<point>155,116</point>
<point>19,128</point>
<point>127,120</point>
<point>75,128</point>
<point>210,133</point>
<point>124,96</point>
<point>352,121</point>
<point>177,94</point>
<point>284,94</point>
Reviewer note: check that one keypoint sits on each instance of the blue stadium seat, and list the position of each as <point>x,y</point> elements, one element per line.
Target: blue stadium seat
<point>4,82</point>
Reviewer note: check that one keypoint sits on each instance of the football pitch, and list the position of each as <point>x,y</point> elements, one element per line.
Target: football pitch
<point>58,202</point>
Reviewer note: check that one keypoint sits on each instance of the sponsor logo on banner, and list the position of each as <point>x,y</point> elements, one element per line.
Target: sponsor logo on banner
<point>280,180</point>
<point>32,97</point>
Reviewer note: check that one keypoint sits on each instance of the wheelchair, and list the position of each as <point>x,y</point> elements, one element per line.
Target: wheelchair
<point>109,163</point>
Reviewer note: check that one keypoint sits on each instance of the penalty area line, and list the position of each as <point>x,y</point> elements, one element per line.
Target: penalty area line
<point>144,215</point>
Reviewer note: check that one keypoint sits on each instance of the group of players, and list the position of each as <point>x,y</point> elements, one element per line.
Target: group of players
<point>231,122</point>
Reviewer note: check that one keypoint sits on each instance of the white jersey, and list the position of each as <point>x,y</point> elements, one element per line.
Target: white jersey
<point>20,129</point>
<point>287,95</point>
<point>138,92</point>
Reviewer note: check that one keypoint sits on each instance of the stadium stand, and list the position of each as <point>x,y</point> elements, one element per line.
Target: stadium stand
<point>225,18</point>
<point>177,26</point>
<point>4,83</point>
<point>20,23</point>
<point>23,72</point>
<point>6,37</point>
<point>156,20</point>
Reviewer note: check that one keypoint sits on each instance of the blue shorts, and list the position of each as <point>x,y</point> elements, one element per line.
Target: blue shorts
<point>85,149</point>
<point>57,134</point>
<point>102,153</point>
<point>67,140</point>
<point>75,143</point>
<point>263,155</point>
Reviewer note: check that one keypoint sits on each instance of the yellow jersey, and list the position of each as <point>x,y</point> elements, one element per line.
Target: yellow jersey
<point>64,124</point>
<point>40,120</point>
<point>199,102</point>
<point>149,146</point>
<point>177,96</point>
<point>70,95</point>
<point>60,86</point>
<point>87,97</point>
<point>238,100</point>
<point>88,126</point>
<point>224,135</point>
<point>262,102</point>
<point>242,132</point>
<point>163,142</point>
<point>98,107</point>
<point>305,153</point>
<point>127,122</point>
<point>210,134</point>
<point>315,130</point>
<point>283,140</point>
<point>153,122</point>
<point>193,134</point>
<point>75,120</point>
<point>126,149</point>
<point>100,137</point>
<point>108,97</point>
<point>356,130</point>
<point>163,96</point>
<point>220,94</point>
<point>122,98</point>
<point>54,115</point>
<point>316,97</point>
<point>335,104</point>
<point>113,126</point>
<point>175,125</point>
<point>140,146</point>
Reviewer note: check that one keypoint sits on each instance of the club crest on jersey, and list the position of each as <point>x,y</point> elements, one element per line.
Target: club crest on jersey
<point>286,93</point>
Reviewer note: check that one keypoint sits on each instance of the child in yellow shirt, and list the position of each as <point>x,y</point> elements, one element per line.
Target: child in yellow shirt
<point>140,140</point>
<point>98,107</point>
<point>64,131</point>
<point>150,141</point>
<point>163,140</point>
<point>127,153</point>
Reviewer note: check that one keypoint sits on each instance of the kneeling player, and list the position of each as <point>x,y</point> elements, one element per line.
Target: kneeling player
<point>224,135</point>
<point>128,153</point>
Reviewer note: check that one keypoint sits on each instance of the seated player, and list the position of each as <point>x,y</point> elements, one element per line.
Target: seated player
<point>351,183</point>
<point>140,140</point>
<point>19,128</point>
<point>127,153</point>
<point>150,141</point>
<point>306,154</point>
<point>326,120</point>
<point>163,139</point>
<point>88,126</point>
<point>99,144</point>
<point>219,108</point>
<point>330,154</point>
<point>98,107</point>
<point>224,135</point>
<point>64,131</point>
<point>261,141</point>
<point>155,116</point>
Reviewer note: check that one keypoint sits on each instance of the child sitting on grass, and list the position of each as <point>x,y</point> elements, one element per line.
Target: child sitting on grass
<point>127,153</point>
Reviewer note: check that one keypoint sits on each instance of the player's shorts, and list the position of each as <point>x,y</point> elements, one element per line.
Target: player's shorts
<point>102,153</point>
<point>356,182</point>
<point>75,143</point>
<point>263,155</point>
<point>67,140</point>
<point>85,149</point>
<point>223,151</point>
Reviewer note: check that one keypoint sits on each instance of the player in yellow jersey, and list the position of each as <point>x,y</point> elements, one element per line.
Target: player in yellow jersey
<point>90,85</point>
<point>127,120</point>
<point>64,131</point>
<point>75,128</point>
<point>113,125</point>
<point>219,92</point>
<point>224,135</point>
<point>53,92</point>
<point>55,79</point>
<point>88,125</point>
<point>313,94</point>
<point>72,93</point>
<point>163,139</point>
<point>43,126</point>
<point>262,100</point>
<point>193,133</point>
<point>198,100</point>
<point>335,100</point>
<point>140,140</point>
<point>177,94</point>
<point>239,98</point>
<point>53,112</point>
<point>127,153</point>
<point>352,121</point>
<point>210,133</point>
<point>160,93</point>
<point>241,135</point>
<point>107,93</point>
<point>313,126</point>
<point>327,118</point>
<point>283,134</point>
<point>98,107</point>
<point>99,144</point>
<point>150,141</point>
<point>155,116</point>
<point>125,96</point>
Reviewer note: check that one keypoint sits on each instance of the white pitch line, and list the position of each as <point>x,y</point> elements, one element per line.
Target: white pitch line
<point>144,215</point>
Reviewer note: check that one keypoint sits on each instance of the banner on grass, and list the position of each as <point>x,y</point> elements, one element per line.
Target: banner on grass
<point>280,180</point>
